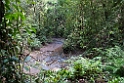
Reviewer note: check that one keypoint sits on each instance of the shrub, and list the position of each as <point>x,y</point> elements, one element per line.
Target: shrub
<point>117,80</point>
<point>83,68</point>
<point>113,60</point>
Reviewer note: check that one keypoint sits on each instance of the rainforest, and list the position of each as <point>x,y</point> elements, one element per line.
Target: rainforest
<point>61,41</point>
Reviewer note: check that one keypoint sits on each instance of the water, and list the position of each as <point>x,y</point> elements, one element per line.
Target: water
<point>49,57</point>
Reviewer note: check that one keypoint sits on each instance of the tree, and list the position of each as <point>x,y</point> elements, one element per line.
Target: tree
<point>9,48</point>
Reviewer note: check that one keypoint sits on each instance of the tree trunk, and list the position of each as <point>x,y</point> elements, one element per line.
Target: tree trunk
<point>2,11</point>
<point>2,24</point>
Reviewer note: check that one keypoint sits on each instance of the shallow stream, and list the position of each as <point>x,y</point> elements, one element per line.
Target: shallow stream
<point>49,57</point>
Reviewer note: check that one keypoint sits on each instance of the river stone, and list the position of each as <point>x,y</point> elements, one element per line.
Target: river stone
<point>49,58</point>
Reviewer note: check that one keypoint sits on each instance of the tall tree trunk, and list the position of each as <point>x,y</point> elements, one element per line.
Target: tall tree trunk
<point>105,11</point>
<point>2,11</point>
<point>2,36</point>
<point>2,43</point>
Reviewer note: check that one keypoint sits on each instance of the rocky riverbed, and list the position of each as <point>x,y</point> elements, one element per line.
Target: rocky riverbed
<point>49,57</point>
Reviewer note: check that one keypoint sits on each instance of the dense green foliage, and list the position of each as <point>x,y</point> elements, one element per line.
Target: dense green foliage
<point>95,27</point>
<point>10,22</point>
<point>14,37</point>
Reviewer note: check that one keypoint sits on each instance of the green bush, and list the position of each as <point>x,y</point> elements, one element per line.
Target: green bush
<point>113,60</point>
<point>117,80</point>
<point>83,68</point>
<point>35,44</point>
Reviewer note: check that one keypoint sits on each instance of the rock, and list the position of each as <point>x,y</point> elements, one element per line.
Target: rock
<point>50,57</point>
<point>26,52</point>
<point>56,69</point>
<point>31,71</point>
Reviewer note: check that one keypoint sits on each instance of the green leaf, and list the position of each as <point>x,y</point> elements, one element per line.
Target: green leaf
<point>33,29</point>
<point>15,6</point>
<point>28,30</point>
<point>7,6</point>
<point>18,49</point>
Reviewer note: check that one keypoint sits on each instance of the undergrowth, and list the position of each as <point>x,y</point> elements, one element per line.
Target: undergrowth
<point>107,67</point>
